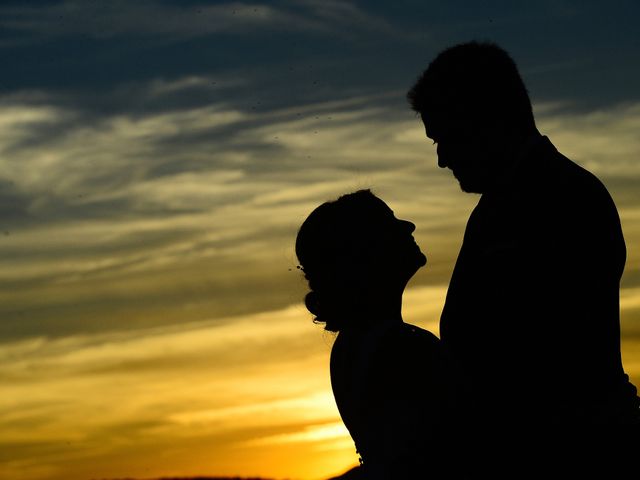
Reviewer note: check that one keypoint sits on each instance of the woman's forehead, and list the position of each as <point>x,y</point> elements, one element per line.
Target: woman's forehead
<point>381,208</point>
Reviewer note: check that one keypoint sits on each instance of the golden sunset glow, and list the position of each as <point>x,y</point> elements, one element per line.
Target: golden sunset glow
<point>152,322</point>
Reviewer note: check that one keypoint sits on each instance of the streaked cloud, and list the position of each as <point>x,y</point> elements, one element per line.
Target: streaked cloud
<point>603,141</point>
<point>218,391</point>
<point>178,21</point>
<point>207,382</point>
<point>131,203</point>
<point>227,365</point>
<point>108,19</point>
<point>334,431</point>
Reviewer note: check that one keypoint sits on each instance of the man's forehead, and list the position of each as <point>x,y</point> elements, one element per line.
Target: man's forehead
<point>436,124</point>
<point>447,122</point>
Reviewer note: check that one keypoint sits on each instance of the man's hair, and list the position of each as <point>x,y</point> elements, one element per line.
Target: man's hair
<point>480,78</point>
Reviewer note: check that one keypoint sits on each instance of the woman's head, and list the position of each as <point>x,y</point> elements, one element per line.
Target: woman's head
<point>354,252</point>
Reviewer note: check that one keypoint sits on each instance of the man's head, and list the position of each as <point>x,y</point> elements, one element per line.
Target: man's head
<point>476,108</point>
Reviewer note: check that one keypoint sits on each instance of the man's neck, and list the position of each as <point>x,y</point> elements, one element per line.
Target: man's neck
<point>514,156</point>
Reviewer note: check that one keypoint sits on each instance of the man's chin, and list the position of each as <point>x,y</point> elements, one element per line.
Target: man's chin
<point>470,189</point>
<point>469,185</point>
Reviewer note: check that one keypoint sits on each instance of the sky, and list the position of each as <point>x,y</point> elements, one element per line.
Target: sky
<point>156,161</point>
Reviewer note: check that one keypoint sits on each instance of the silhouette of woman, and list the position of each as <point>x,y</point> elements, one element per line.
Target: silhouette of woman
<point>392,381</point>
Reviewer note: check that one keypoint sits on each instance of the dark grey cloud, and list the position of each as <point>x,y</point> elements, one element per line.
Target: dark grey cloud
<point>104,20</point>
<point>291,53</point>
<point>13,207</point>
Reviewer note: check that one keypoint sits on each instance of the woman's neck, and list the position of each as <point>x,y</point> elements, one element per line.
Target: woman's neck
<point>378,310</point>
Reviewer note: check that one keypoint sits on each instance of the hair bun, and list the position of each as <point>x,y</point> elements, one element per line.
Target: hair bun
<point>312,302</point>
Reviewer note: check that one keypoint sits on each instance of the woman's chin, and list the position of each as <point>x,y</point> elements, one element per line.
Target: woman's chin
<point>418,262</point>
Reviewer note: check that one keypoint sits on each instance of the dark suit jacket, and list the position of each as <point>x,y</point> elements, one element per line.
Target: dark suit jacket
<point>532,310</point>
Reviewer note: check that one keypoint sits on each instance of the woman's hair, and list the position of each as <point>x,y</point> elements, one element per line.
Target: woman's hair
<point>332,248</point>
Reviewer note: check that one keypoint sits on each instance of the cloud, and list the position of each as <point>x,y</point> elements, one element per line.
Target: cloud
<point>221,388</point>
<point>168,21</point>
<point>202,395</point>
<point>347,18</point>
<point>110,19</point>
<point>149,256</point>
<point>149,302</point>
<point>164,214</point>
<point>604,141</point>
<point>334,431</point>
<point>200,381</point>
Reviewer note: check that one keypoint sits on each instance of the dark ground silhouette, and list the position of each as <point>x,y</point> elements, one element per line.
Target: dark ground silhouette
<point>192,478</point>
<point>354,473</point>
<point>351,474</point>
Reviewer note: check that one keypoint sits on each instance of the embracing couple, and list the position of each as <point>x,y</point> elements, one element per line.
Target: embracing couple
<point>526,379</point>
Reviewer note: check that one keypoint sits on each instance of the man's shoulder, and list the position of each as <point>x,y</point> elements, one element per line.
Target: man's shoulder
<point>552,158</point>
<point>573,199</point>
<point>582,177</point>
<point>565,178</point>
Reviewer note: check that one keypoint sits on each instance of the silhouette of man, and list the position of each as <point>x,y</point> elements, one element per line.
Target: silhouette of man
<point>532,309</point>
